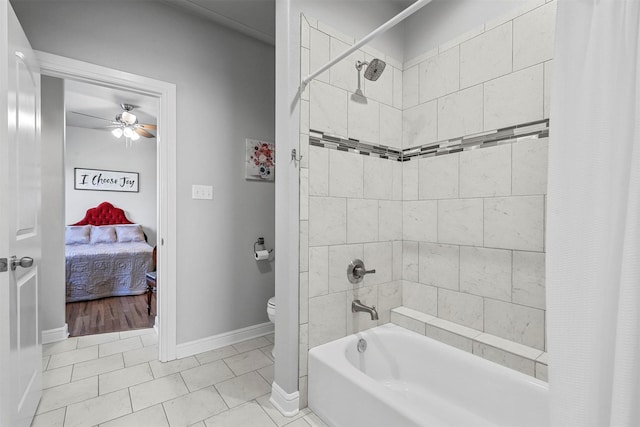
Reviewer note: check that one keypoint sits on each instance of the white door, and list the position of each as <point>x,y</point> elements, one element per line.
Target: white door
<point>20,343</point>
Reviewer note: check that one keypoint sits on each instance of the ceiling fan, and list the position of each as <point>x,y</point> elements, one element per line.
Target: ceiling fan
<point>126,123</point>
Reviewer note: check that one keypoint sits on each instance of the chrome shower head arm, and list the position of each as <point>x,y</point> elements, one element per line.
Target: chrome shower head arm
<point>360,64</point>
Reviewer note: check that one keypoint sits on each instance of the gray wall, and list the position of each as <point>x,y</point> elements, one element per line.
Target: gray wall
<point>98,149</point>
<point>225,92</point>
<point>52,265</point>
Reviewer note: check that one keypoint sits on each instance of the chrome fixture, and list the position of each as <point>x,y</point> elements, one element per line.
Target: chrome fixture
<point>24,262</point>
<point>373,72</point>
<point>410,10</point>
<point>356,271</point>
<point>362,345</point>
<point>374,68</point>
<point>357,306</point>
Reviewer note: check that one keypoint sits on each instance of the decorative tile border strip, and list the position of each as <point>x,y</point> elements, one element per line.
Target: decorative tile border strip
<point>509,135</point>
<point>319,139</point>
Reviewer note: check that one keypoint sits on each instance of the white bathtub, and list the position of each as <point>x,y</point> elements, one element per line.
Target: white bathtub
<point>406,379</point>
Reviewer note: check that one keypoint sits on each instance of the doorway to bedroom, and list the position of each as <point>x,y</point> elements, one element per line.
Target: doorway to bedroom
<point>110,203</point>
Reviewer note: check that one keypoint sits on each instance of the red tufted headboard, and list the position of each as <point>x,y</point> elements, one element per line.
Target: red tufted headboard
<point>104,214</point>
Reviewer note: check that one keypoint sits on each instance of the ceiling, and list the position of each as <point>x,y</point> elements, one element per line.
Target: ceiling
<point>104,102</point>
<point>255,18</point>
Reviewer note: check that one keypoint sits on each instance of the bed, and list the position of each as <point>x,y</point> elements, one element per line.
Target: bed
<point>106,255</point>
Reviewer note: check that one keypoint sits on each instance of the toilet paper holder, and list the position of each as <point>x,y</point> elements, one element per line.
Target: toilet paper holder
<point>260,242</point>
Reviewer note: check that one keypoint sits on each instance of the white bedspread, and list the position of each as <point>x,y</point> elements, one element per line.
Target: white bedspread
<point>106,269</point>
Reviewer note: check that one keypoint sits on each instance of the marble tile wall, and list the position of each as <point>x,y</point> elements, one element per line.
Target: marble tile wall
<point>473,221</point>
<point>458,236</point>
<point>350,204</point>
<point>495,76</point>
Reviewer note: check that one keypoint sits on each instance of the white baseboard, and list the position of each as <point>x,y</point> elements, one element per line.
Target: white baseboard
<point>222,340</point>
<point>286,403</point>
<point>54,335</point>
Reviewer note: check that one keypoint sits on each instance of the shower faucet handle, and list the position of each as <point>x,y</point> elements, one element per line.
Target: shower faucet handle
<point>360,271</point>
<point>356,271</point>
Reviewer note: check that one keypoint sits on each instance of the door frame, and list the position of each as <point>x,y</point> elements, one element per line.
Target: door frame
<point>67,68</point>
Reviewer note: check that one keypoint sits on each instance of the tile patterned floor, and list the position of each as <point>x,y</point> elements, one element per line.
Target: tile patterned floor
<point>115,380</point>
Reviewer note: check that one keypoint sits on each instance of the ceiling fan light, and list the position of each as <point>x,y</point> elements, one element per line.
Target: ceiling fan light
<point>135,137</point>
<point>117,132</point>
<point>128,132</point>
<point>128,117</point>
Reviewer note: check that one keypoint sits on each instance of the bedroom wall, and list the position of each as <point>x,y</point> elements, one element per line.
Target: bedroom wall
<point>98,149</point>
<point>52,313</point>
<point>225,93</point>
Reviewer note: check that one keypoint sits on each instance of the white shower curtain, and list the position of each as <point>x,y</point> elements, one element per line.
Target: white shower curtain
<point>593,233</point>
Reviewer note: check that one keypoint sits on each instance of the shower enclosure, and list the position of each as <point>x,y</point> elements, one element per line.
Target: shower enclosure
<point>435,176</point>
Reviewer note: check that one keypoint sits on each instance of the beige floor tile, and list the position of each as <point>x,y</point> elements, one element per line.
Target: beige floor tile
<point>241,389</point>
<point>54,377</point>
<point>267,373</point>
<point>162,369</point>
<point>314,420</point>
<point>149,339</point>
<point>66,394</point>
<point>50,419</point>
<point>45,362</point>
<point>104,392</point>
<point>247,362</point>
<point>206,375</point>
<point>98,366</point>
<point>89,340</point>
<point>59,360</point>
<point>268,352</point>
<point>157,391</point>
<point>193,407</point>
<point>300,422</point>
<point>249,414</point>
<point>99,409</point>
<point>124,378</point>
<point>217,354</point>
<point>141,355</point>
<point>275,415</point>
<point>153,416</point>
<point>251,344</point>
<point>60,346</point>
<point>120,346</point>
<point>137,333</point>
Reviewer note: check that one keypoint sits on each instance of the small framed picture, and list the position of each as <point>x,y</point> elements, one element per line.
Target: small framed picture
<point>261,160</point>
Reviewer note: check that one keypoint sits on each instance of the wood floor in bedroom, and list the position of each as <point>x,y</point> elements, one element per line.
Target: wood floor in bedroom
<point>115,314</point>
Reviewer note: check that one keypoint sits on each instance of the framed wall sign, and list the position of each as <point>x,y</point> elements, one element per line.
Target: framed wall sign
<point>105,180</point>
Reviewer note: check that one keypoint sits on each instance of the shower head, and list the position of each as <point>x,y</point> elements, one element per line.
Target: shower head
<point>374,68</point>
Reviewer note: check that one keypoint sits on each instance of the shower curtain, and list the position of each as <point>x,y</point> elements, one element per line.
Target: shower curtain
<point>593,238</point>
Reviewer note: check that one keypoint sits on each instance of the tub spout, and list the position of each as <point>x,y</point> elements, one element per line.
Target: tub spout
<point>356,306</point>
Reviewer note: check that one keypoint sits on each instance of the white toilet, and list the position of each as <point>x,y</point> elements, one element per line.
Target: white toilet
<point>271,312</point>
<point>271,309</point>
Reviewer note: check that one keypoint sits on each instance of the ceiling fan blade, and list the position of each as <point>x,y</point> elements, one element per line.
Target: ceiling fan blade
<point>107,127</point>
<point>95,117</point>
<point>147,126</point>
<point>143,132</point>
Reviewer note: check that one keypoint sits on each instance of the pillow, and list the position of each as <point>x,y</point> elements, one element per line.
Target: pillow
<point>103,234</point>
<point>77,234</point>
<point>130,233</point>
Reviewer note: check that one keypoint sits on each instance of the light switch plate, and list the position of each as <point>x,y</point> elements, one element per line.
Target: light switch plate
<point>202,192</point>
